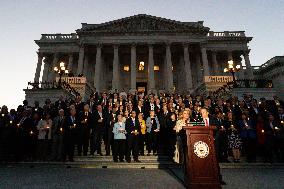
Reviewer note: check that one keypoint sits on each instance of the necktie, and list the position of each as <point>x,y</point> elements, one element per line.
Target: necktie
<point>206,122</point>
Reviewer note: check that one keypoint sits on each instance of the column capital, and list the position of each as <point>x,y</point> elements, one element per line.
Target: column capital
<point>246,52</point>
<point>168,44</point>
<point>185,45</point>
<point>203,45</point>
<point>133,45</point>
<point>56,54</point>
<point>39,54</point>
<point>150,44</point>
<point>99,45</point>
<point>115,45</point>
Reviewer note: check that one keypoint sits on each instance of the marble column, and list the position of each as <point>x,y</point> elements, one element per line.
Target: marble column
<point>38,67</point>
<point>85,66</point>
<point>249,70</point>
<point>81,61</point>
<point>151,74</point>
<point>52,75</point>
<point>70,63</point>
<point>45,70</point>
<point>230,55</point>
<point>205,61</point>
<point>187,68</point>
<point>199,70</point>
<point>133,68</point>
<point>98,68</point>
<point>215,63</point>
<point>169,66</point>
<point>115,72</point>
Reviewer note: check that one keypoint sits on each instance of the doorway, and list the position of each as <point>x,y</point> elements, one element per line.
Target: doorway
<point>141,87</point>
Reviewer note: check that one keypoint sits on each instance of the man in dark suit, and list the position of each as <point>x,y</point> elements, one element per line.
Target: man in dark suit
<point>60,104</point>
<point>57,133</point>
<point>139,108</point>
<point>92,103</point>
<point>151,105</point>
<point>85,124</point>
<point>98,130</point>
<point>69,134</point>
<point>133,130</point>
<point>108,126</point>
<point>210,121</point>
<point>221,142</point>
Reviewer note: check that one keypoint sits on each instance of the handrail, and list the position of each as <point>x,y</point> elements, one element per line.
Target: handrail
<point>53,85</point>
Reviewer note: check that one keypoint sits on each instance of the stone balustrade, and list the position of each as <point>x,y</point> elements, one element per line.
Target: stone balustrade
<point>59,36</point>
<point>227,34</point>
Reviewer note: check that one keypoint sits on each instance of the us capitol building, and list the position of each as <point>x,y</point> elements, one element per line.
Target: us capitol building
<point>144,52</point>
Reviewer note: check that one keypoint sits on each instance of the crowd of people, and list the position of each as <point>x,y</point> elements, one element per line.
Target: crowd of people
<point>127,123</point>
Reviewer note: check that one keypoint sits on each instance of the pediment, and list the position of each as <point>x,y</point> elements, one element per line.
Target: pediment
<point>145,23</point>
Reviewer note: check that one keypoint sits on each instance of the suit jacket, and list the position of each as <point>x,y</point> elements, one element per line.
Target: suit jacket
<point>89,118</point>
<point>69,127</point>
<point>149,124</point>
<point>99,127</point>
<point>57,124</point>
<point>130,126</point>
<point>247,133</point>
<point>147,108</point>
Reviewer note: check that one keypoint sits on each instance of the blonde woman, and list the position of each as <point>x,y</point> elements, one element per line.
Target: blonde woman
<point>44,135</point>
<point>142,137</point>
<point>183,121</point>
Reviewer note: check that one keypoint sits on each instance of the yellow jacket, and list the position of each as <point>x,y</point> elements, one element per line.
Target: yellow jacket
<point>143,127</point>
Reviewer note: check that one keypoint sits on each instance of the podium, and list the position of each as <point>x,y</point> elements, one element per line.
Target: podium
<point>201,167</point>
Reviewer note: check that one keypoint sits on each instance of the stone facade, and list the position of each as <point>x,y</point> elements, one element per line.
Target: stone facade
<point>273,70</point>
<point>143,52</point>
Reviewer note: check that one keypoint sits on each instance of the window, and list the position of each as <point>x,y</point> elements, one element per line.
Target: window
<point>156,68</point>
<point>141,66</point>
<point>126,68</point>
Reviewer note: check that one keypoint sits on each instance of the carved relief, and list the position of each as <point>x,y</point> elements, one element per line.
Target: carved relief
<point>142,24</point>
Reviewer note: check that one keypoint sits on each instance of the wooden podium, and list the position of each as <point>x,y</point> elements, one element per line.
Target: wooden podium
<point>201,167</point>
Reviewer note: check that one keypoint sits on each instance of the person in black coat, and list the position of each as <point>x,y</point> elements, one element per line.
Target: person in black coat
<point>132,127</point>
<point>98,130</point>
<point>108,127</point>
<point>69,134</point>
<point>85,124</point>
<point>210,121</point>
<point>221,141</point>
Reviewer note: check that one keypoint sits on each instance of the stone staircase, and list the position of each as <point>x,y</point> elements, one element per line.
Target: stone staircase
<point>97,161</point>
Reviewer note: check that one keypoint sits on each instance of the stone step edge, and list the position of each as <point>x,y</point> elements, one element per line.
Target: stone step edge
<point>167,163</point>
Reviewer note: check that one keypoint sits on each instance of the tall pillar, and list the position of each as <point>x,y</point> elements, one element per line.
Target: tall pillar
<point>169,65</point>
<point>199,69</point>
<point>205,62</point>
<point>38,67</point>
<point>230,55</point>
<point>115,72</point>
<point>85,66</point>
<point>70,63</point>
<point>215,63</point>
<point>80,61</point>
<point>45,69</point>
<point>133,68</point>
<point>52,75</point>
<point>187,68</point>
<point>151,74</point>
<point>249,70</point>
<point>98,68</point>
